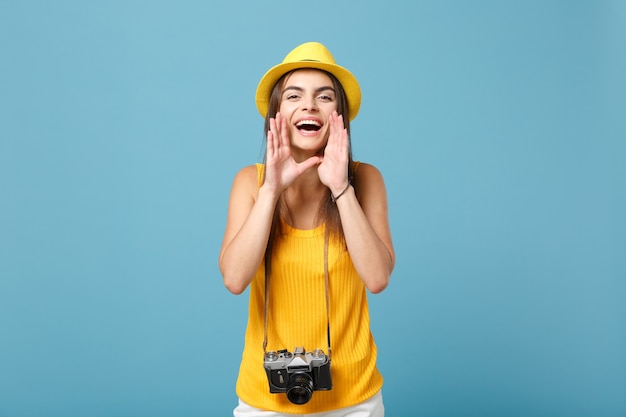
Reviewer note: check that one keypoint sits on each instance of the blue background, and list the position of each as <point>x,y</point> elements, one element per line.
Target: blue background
<point>498,127</point>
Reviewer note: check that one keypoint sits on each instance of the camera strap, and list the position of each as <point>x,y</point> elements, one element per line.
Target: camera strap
<point>268,257</point>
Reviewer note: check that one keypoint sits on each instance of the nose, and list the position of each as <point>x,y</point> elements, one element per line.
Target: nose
<point>310,104</point>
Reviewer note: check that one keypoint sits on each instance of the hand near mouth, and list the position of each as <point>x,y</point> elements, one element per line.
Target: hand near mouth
<point>333,170</point>
<point>281,169</point>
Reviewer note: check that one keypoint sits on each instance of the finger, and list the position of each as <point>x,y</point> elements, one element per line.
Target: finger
<point>342,133</point>
<point>269,149</point>
<point>333,130</point>
<point>275,125</point>
<point>272,138</point>
<point>338,129</point>
<point>284,132</point>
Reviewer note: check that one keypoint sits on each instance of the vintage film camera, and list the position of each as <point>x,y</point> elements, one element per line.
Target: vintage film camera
<point>298,374</point>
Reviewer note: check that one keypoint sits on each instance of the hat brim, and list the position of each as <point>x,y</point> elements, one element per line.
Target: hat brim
<point>345,77</point>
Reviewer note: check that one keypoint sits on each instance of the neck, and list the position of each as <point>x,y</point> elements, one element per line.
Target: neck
<point>302,199</point>
<point>308,181</point>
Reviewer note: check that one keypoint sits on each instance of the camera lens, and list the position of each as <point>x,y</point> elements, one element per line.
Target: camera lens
<point>300,388</point>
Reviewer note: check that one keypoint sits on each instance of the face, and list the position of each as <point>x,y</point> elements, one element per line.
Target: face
<point>307,100</point>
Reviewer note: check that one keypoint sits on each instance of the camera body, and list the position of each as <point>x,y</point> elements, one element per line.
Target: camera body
<point>298,374</point>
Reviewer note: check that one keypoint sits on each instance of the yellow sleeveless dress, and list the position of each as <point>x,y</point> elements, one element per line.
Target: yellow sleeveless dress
<point>297,317</point>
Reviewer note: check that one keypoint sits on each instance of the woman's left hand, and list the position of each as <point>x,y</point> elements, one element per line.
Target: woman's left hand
<point>333,170</point>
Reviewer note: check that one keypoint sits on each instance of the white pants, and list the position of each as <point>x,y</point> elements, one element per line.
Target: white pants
<point>372,407</point>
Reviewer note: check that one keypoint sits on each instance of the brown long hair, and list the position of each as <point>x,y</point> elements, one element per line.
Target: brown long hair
<point>328,212</point>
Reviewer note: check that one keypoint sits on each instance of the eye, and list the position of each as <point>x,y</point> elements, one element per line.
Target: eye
<point>292,96</point>
<point>325,97</point>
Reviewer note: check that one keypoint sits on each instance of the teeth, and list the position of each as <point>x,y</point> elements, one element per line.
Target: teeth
<point>308,122</point>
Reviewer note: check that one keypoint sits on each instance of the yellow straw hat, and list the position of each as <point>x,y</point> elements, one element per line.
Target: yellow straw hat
<point>309,55</point>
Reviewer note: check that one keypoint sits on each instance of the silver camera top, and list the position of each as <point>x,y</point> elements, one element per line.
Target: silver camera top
<point>298,361</point>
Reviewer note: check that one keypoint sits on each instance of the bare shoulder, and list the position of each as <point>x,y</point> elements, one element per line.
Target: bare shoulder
<point>368,178</point>
<point>248,173</point>
<point>246,181</point>
<point>366,169</point>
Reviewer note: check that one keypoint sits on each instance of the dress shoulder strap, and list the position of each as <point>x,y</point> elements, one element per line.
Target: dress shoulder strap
<point>260,170</point>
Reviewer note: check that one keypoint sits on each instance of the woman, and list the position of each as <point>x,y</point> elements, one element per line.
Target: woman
<point>308,231</point>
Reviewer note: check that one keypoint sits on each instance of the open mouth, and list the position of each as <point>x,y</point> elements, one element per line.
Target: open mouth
<point>308,125</point>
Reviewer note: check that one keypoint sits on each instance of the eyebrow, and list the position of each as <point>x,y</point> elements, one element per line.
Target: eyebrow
<point>317,90</point>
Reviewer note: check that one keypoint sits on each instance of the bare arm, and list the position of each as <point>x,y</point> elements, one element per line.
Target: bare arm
<point>250,212</point>
<point>366,228</point>
<point>364,219</point>
<point>251,209</point>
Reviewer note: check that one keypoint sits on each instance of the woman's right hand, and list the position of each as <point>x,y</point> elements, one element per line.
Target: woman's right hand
<point>281,169</point>
<point>251,209</point>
